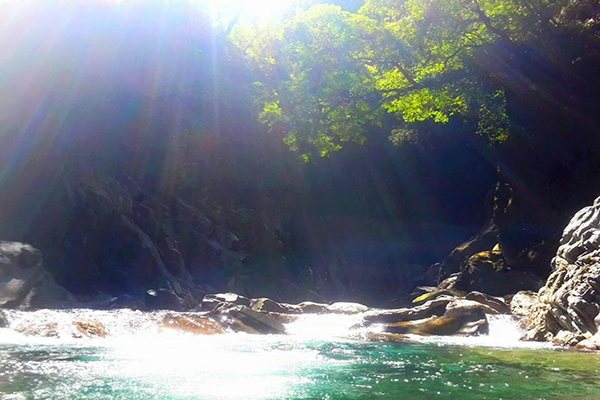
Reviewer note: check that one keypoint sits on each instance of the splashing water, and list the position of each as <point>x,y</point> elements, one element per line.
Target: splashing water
<point>317,360</point>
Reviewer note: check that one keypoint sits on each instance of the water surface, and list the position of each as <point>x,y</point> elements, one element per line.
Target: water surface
<point>313,362</point>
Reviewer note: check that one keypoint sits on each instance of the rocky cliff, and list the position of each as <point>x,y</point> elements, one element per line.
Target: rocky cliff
<point>568,305</point>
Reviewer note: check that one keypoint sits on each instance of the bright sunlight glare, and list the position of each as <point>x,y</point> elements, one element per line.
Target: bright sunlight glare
<point>252,9</point>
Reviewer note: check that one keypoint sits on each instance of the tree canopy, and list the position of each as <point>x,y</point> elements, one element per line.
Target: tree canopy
<point>327,76</point>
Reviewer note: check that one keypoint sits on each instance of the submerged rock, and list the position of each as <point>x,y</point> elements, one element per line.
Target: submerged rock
<point>570,300</point>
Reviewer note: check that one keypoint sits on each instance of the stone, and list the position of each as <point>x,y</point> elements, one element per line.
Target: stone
<point>24,283</point>
<point>189,324</point>
<point>495,303</point>
<point>566,338</point>
<point>431,308</point>
<point>245,319</point>
<point>347,308</point>
<point>89,329</point>
<point>3,320</point>
<point>46,293</point>
<point>462,317</point>
<point>592,343</point>
<point>570,300</point>
<point>522,303</point>
<point>309,307</point>
<point>231,298</point>
<point>268,305</point>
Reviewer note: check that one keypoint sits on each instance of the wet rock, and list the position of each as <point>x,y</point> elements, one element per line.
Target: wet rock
<point>230,298</point>
<point>46,293</point>
<point>462,317</point>
<point>433,294</point>
<point>24,283</point>
<point>195,325</point>
<point>308,307</point>
<point>347,308</point>
<point>42,329</point>
<point>566,338</point>
<point>89,329</point>
<point>3,320</point>
<point>492,302</point>
<point>245,319</point>
<point>592,343</point>
<point>570,300</point>
<point>435,307</point>
<point>522,302</point>
<point>268,305</point>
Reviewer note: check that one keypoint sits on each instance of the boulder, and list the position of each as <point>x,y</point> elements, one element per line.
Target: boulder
<point>46,293</point>
<point>522,302</point>
<point>245,319</point>
<point>268,305</point>
<point>592,343</point>
<point>347,308</point>
<point>431,308</point>
<point>24,283</point>
<point>3,320</point>
<point>190,324</point>
<point>462,317</point>
<point>495,303</point>
<point>89,329</point>
<point>309,307</point>
<point>570,300</point>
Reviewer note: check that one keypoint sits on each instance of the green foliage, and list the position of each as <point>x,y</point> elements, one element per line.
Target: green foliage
<point>327,75</point>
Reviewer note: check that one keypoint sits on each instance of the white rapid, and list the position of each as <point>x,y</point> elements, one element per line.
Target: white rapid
<point>120,326</point>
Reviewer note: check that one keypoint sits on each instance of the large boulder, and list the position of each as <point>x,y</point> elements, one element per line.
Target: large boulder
<point>522,302</point>
<point>495,303</point>
<point>192,324</point>
<point>435,307</point>
<point>570,300</point>
<point>24,283</point>
<point>244,319</point>
<point>462,317</point>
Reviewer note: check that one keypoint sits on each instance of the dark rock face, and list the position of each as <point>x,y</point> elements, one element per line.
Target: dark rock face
<point>570,300</point>
<point>24,283</point>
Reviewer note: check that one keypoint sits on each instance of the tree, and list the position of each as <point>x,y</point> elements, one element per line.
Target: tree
<point>327,76</point>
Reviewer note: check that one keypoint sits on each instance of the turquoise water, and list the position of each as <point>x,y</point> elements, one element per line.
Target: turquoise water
<point>145,364</point>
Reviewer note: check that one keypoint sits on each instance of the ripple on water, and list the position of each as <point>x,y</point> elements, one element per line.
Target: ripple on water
<point>138,362</point>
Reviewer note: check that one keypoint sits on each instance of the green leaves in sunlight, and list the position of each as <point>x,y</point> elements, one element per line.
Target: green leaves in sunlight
<point>328,76</point>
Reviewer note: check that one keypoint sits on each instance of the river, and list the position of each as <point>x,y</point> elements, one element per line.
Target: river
<point>320,358</point>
